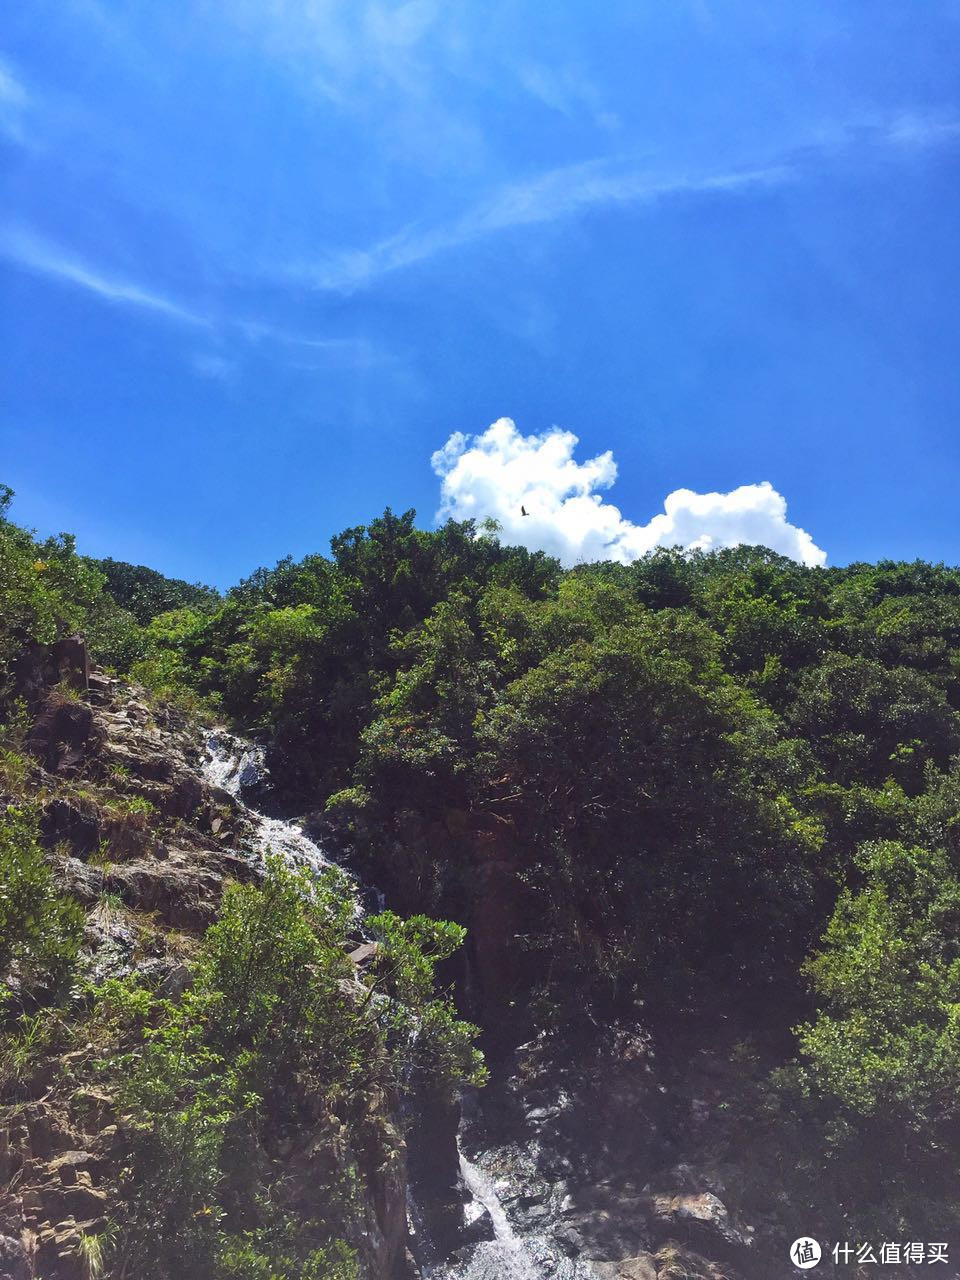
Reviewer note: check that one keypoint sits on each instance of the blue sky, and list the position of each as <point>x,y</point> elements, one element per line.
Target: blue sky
<point>260,260</point>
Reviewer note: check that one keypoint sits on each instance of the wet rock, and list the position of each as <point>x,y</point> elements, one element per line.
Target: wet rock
<point>532,1216</point>
<point>569,1239</point>
<point>479,1229</point>
<point>612,1223</point>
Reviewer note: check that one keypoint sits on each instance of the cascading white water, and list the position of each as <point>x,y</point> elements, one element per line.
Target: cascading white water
<point>506,1255</point>
<point>232,763</point>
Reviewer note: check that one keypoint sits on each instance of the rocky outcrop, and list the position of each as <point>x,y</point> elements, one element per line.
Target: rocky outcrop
<point>40,667</point>
<point>137,836</point>
<point>702,1217</point>
<point>64,733</point>
<point>16,1259</point>
<point>642,1267</point>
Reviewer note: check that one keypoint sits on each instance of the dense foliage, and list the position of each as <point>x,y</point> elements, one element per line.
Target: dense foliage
<point>711,777</point>
<point>39,929</point>
<point>275,1026</point>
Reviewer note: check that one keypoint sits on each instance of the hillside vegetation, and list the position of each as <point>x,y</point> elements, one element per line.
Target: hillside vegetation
<point>717,780</point>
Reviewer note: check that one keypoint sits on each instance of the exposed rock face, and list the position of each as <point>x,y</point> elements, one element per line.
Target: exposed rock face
<point>184,886</point>
<point>15,1259</point>
<point>702,1217</point>
<point>42,666</point>
<point>434,1167</point>
<point>136,834</point>
<point>62,734</point>
<point>643,1267</point>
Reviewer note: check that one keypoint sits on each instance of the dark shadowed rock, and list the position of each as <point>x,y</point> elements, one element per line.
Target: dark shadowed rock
<point>73,662</point>
<point>676,1262</point>
<point>15,1262</point>
<point>479,1229</point>
<point>699,1217</point>
<point>64,822</point>
<point>62,734</point>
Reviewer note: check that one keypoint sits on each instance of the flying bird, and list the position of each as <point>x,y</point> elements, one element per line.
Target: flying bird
<point>523,510</point>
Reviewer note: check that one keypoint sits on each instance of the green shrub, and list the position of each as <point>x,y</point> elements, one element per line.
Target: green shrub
<point>274,1021</point>
<point>40,930</point>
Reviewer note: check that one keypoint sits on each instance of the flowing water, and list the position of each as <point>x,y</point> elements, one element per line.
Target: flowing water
<point>493,1183</point>
<point>506,1255</point>
<point>235,765</point>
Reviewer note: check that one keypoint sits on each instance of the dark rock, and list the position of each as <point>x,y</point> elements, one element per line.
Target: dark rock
<point>674,1262</point>
<point>534,1218</point>
<point>41,666</point>
<point>184,888</point>
<point>15,1262</point>
<point>435,1167</point>
<point>697,1217</point>
<point>62,734</point>
<point>61,822</point>
<point>84,1202</point>
<point>80,879</point>
<point>46,1132</point>
<point>73,662</point>
<point>612,1223</point>
<point>176,982</point>
<point>569,1239</point>
<point>479,1229</point>
<point>364,953</point>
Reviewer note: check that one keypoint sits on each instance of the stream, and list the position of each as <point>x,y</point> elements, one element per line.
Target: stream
<point>235,765</point>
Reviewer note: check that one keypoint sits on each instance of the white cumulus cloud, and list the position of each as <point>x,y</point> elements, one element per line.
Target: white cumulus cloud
<point>500,473</point>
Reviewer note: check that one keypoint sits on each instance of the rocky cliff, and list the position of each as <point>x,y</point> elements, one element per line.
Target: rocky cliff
<point>147,845</point>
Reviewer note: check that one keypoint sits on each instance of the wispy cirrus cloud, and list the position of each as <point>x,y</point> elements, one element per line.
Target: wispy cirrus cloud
<point>911,129</point>
<point>14,101</point>
<point>38,255</point>
<point>558,193</point>
<point>214,367</point>
<point>567,92</point>
<point>33,253</point>
<point>570,190</point>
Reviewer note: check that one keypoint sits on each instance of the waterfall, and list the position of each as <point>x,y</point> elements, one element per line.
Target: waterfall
<point>233,764</point>
<point>511,1254</point>
<point>506,1256</point>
